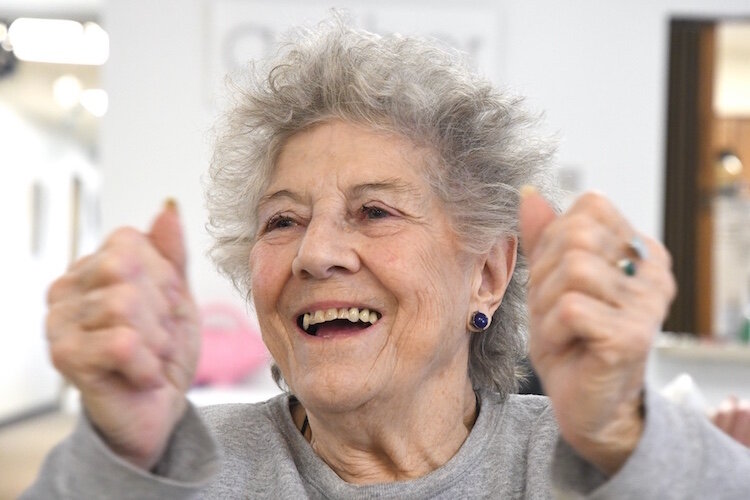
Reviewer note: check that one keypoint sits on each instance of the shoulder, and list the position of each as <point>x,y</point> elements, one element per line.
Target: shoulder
<point>518,434</point>
<point>522,414</point>
<point>522,406</point>
<point>228,421</point>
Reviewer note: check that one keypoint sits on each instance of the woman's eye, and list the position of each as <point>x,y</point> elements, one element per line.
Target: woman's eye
<point>374,212</point>
<point>279,222</point>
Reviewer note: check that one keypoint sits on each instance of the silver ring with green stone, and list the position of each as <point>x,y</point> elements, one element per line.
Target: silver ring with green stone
<point>627,266</point>
<point>639,248</point>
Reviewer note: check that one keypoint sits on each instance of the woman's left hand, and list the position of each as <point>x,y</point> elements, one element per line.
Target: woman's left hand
<point>591,324</point>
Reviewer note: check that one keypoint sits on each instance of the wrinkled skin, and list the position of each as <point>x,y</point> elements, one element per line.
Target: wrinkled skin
<point>122,327</point>
<point>591,325</point>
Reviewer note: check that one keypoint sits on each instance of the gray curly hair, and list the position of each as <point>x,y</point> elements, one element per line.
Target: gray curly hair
<point>483,140</point>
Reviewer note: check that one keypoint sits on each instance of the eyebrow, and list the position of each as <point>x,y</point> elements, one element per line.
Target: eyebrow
<point>393,185</point>
<point>389,185</point>
<point>282,193</point>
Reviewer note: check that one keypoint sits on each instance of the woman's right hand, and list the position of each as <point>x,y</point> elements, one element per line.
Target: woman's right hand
<point>123,327</point>
<point>733,417</point>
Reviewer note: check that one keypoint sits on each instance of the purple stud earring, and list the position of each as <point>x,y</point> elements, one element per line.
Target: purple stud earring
<point>480,321</point>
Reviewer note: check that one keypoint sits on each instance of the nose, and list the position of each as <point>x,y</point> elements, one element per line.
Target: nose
<point>327,248</point>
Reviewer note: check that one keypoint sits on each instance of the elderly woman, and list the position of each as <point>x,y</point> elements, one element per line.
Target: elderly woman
<point>368,194</point>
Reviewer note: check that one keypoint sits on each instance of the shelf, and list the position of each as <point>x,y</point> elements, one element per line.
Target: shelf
<point>689,348</point>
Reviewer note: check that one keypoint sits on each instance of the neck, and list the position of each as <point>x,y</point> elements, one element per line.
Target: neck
<point>402,438</point>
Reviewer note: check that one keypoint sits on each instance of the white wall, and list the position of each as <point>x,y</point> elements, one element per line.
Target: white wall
<point>163,72</point>
<point>598,69</point>
<point>27,380</point>
<point>153,138</point>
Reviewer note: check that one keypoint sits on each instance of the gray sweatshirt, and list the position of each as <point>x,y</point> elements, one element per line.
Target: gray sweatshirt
<point>513,451</point>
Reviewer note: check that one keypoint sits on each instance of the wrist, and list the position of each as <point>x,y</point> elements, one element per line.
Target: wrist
<point>612,445</point>
<point>142,446</point>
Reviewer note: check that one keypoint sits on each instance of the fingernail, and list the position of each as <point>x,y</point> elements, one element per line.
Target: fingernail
<point>527,190</point>
<point>170,204</point>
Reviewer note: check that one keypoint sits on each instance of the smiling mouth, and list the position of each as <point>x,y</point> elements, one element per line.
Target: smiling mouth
<point>343,320</point>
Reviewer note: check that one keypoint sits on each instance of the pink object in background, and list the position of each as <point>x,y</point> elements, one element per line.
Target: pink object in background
<point>231,347</point>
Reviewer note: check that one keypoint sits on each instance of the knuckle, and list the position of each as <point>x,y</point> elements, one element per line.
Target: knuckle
<point>115,265</point>
<point>62,353</point>
<point>596,202</point>
<point>580,233</point>
<point>122,345</point>
<point>53,322</point>
<point>111,266</point>
<point>123,237</point>
<point>123,302</point>
<point>576,266</point>
<point>58,289</point>
<point>662,253</point>
<point>569,308</point>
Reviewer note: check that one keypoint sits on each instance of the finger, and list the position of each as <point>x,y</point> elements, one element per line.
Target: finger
<point>648,292</point>
<point>87,357</point>
<point>580,321</point>
<point>126,256</point>
<point>166,235</point>
<point>67,285</point>
<point>63,288</point>
<point>601,209</point>
<point>592,224</point>
<point>724,417</point>
<point>577,271</point>
<point>740,429</point>
<point>535,214</point>
<point>577,232</point>
<point>61,315</point>
<point>144,308</point>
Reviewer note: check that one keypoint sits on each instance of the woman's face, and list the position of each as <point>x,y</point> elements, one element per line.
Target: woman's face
<point>350,224</point>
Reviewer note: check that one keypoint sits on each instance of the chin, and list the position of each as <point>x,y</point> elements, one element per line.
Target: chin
<point>336,390</point>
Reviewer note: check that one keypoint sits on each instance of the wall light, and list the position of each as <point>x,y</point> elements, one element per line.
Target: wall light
<point>58,41</point>
<point>67,91</point>
<point>95,101</point>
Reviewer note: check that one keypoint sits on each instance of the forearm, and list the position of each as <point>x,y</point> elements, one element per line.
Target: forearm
<point>83,466</point>
<point>679,455</point>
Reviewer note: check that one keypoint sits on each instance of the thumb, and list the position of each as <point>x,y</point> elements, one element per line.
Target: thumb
<point>535,215</point>
<point>166,235</point>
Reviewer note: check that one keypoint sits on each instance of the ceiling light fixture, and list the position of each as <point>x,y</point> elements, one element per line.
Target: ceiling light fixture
<point>58,41</point>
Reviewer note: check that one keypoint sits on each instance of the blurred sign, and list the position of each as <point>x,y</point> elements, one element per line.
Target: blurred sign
<point>241,31</point>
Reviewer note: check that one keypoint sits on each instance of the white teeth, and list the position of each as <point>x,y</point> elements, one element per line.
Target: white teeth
<point>318,317</point>
<point>353,314</point>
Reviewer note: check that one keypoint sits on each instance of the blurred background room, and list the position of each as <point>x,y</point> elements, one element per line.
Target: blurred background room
<point>106,108</point>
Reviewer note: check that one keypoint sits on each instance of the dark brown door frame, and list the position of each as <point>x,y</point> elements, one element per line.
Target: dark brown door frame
<point>690,180</point>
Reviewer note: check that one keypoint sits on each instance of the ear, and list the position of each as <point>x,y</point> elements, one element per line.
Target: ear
<point>492,274</point>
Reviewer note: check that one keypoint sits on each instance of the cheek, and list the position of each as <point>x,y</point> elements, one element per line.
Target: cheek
<point>269,271</point>
<point>269,274</point>
<point>428,281</point>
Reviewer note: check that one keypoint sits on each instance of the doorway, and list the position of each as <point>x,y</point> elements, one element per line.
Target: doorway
<point>707,199</point>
